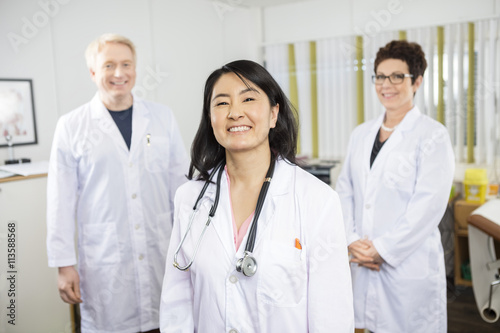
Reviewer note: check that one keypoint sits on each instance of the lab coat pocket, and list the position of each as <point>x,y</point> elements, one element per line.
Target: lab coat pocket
<point>416,265</point>
<point>100,243</point>
<point>156,153</point>
<point>283,276</point>
<point>400,172</point>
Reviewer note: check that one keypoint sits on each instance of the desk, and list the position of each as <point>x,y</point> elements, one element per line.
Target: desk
<point>14,178</point>
<point>38,307</point>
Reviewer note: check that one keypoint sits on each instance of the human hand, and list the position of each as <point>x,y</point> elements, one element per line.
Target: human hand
<point>364,253</point>
<point>68,283</point>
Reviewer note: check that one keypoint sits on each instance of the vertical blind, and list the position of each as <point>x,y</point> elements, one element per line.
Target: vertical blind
<point>329,82</point>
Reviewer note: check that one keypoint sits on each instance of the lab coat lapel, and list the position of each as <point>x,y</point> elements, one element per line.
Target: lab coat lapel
<point>107,124</point>
<point>391,143</point>
<point>279,186</point>
<point>396,137</point>
<point>368,143</point>
<point>140,125</point>
<point>223,221</point>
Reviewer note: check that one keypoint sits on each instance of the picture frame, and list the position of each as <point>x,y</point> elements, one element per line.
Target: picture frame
<point>17,112</point>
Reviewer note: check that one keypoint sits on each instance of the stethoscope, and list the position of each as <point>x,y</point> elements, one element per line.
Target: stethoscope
<point>248,264</point>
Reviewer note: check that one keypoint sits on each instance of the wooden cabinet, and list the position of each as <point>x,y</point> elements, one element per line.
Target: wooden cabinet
<point>28,287</point>
<point>461,211</point>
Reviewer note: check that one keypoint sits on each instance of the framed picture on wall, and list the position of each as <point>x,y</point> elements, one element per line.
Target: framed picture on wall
<point>17,112</point>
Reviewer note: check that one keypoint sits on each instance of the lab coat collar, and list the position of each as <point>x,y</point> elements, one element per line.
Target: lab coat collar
<point>280,186</point>
<point>279,183</point>
<point>407,124</point>
<point>140,123</point>
<point>409,121</point>
<point>99,110</point>
<point>222,221</point>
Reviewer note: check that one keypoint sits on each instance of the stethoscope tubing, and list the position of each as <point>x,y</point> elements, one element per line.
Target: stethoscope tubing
<point>253,229</point>
<point>193,213</point>
<point>260,203</point>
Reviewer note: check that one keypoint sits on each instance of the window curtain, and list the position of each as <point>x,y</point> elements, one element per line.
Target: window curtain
<point>461,86</point>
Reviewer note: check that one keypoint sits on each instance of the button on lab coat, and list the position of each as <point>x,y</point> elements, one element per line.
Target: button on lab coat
<point>398,204</point>
<point>123,203</point>
<point>293,290</point>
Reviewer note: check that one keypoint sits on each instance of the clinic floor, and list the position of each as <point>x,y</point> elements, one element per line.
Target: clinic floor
<point>463,316</point>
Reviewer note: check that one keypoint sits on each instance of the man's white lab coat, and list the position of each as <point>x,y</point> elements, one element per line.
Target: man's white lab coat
<point>122,202</point>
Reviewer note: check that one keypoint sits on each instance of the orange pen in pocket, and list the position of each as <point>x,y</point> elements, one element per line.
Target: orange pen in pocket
<point>297,244</point>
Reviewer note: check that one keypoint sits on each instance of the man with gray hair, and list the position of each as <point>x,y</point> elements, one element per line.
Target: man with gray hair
<point>115,165</point>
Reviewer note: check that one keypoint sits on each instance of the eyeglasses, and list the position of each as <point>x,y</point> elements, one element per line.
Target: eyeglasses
<point>393,78</point>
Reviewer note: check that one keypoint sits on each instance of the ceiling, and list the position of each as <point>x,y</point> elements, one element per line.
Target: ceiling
<point>258,3</point>
<point>266,3</point>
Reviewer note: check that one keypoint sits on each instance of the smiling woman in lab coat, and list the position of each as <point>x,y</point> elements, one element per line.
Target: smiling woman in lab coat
<point>394,188</point>
<point>302,282</point>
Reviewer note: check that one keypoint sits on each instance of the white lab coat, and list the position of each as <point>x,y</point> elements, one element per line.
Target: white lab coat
<point>398,204</point>
<point>123,203</point>
<point>293,290</point>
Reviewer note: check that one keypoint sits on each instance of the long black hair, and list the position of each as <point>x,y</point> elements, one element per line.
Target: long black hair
<point>206,152</point>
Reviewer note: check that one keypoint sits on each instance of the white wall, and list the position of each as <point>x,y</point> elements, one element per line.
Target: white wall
<point>317,19</point>
<point>322,19</point>
<point>181,42</point>
<point>178,44</point>
<point>33,60</point>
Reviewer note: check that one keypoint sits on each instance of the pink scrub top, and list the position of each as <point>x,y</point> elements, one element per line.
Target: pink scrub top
<point>238,234</point>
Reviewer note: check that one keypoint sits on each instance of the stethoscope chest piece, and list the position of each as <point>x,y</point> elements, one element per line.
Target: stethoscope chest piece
<point>247,265</point>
